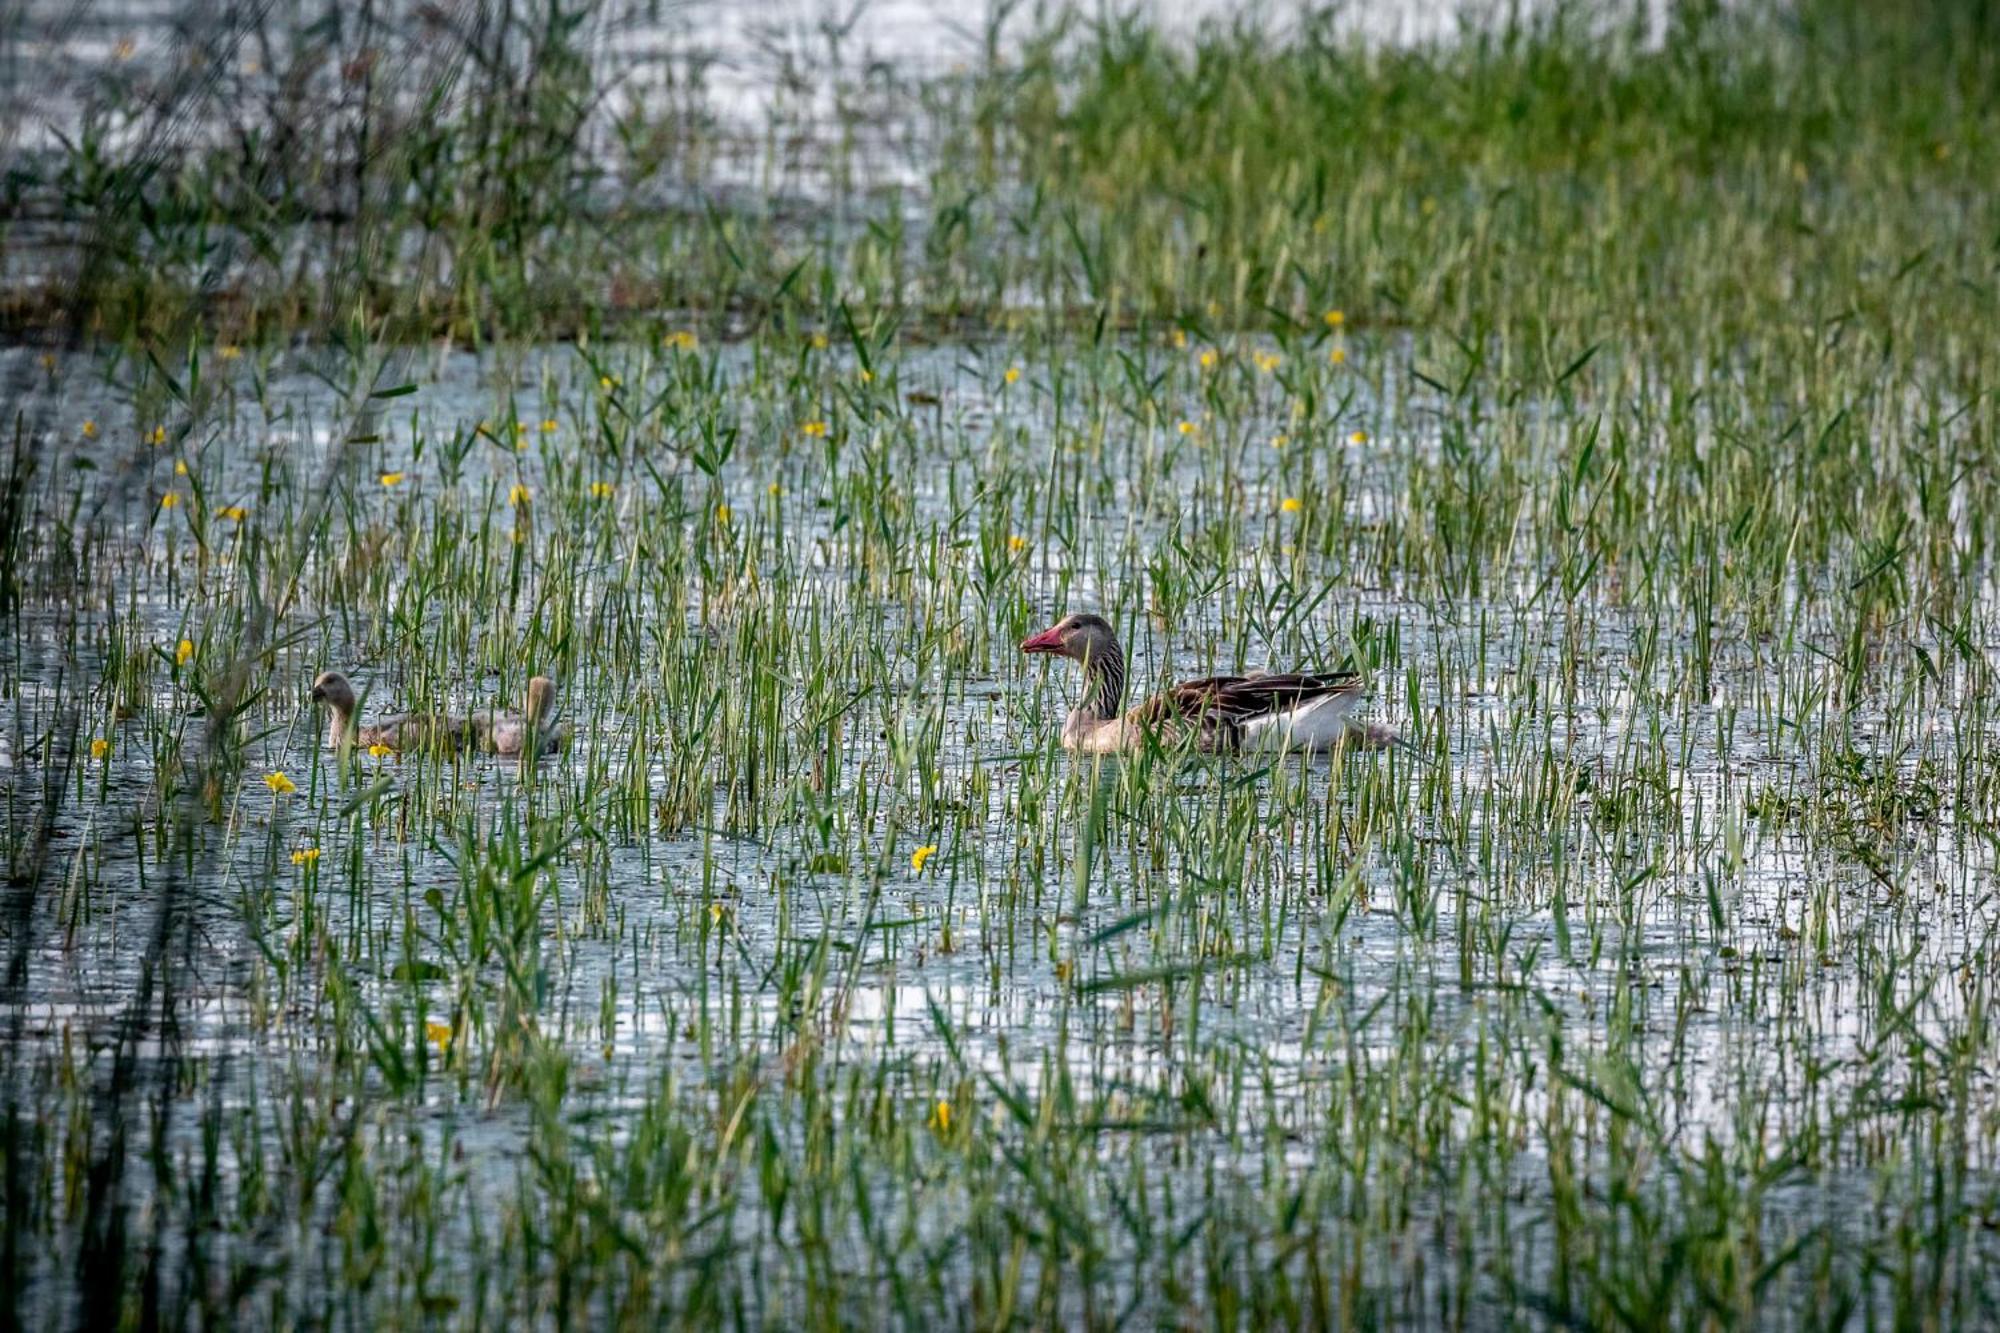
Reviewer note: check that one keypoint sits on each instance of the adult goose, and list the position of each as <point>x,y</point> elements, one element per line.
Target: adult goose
<point>1297,711</point>
<point>535,729</point>
<point>404,732</point>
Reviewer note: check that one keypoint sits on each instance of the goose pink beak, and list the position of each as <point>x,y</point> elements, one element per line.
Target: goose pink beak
<point>1048,641</point>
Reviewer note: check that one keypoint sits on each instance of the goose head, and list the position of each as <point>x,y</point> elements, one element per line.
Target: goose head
<point>1082,637</point>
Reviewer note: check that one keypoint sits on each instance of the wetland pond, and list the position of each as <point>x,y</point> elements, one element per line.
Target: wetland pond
<point>812,983</point>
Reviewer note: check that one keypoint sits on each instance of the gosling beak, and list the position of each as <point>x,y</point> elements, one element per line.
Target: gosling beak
<point>1048,641</point>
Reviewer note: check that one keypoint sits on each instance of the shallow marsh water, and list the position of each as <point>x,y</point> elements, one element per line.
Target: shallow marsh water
<point>1587,884</point>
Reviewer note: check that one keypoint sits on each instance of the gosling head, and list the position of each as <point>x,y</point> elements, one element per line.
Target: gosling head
<point>331,688</point>
<point>1085,637</point>
<point>541,699</point>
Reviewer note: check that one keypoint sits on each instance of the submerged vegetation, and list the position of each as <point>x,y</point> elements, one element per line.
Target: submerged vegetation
<point>1610,391</point>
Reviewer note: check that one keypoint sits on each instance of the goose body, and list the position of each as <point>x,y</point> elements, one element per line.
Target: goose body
<point>402,732</point>
<point>1308,712</point>
<point>535,728</point>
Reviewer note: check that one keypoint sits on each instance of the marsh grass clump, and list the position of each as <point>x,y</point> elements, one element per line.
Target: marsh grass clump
<point>1612,399</point>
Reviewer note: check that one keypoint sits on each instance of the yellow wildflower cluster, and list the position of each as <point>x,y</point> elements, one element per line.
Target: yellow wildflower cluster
<point>183,652</point>
<point>920,856</point>
<point>518,495</point>
<point>814,429</point>
<point>602,490</point>
<point>683,340</point>
<point>234,513</point>
<point>1291,505</point>
<point>392,479</point>
<point>1266,361</point>
<point>305,856</point>
<point>279,784</point>
<point>99,748</point>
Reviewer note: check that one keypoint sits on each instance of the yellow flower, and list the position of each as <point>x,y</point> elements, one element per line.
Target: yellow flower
<point>867,375</point>
<point>941,1116</point>
<point>717,913</point>
<point>380,751</point>
<point>722,514</point>
<point>1291,505</point>
<point>1178,338</point>
<point>548,425</point>
<point>1358,437</point>
<point>392,479</point>
<point>1335,318</point>
<point>1267,361</point>
<point>775,489</point>
<point>1017,543</point>
<point>921,855</point>
<point>159,435</point>
<point>305,856</point>
<point>279,784</point>
<point>685,340</point>
<point>1280,441</point>
<point>1337,355</point>
<point>1188,428</point>
<point>229,351</point>
<point>815,429</point>
<point>438,1034</point>
<point>606,383</point>
<point>517,495</point>
<point>1209,357</point>
<point>234,513</point>
<point>602,490</point>
<point>183,651</point>
<point>169,500</point>
<point>180,467</point>
<point>90,430</point>
<point>1013,374</point>
<point>99,748</point>
<point>819,342</point>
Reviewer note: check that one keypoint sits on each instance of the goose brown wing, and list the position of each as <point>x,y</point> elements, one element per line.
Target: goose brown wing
<point>1222,704</point>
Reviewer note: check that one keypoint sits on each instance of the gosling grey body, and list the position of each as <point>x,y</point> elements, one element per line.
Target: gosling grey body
<point>403,732</point>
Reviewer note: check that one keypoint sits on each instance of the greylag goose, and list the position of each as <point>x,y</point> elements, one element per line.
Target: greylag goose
<point>1297,711</point>
<point>536,725</point>
<point>406,731</point>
